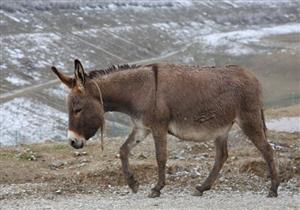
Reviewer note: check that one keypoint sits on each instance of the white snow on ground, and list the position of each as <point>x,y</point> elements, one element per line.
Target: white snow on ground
<point>190,30</point>
<point>41,38</point>
<point>37,45</point>
<point>3,66</point>
<point>14,53</point>
<point>237,42</point>
<point>23,120</point>
<point>11,17</point>
<point>285,124</point>
<point>17,81</point>
<point>59,91</point>
<point>142,5</point>
<point>234,42</point>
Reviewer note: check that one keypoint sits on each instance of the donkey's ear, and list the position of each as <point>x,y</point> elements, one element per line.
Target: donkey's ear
<point>68,81</point>
<point>80,75</point>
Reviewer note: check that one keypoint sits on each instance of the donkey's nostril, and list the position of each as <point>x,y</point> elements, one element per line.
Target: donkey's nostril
<point>72,142</point>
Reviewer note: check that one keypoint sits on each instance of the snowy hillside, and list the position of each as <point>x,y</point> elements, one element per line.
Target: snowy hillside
<point>260,35</point>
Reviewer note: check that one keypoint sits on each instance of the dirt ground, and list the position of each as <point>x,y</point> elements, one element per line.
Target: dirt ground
<point>52,175</point>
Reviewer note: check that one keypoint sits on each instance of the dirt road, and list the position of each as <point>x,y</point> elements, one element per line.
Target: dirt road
<point>172,199</point>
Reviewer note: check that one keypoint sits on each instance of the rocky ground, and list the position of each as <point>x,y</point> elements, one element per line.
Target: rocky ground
<point>170,200</point>
<point>54,176</point>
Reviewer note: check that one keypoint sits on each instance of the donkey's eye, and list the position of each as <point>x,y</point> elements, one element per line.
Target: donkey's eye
<point>77,110</point>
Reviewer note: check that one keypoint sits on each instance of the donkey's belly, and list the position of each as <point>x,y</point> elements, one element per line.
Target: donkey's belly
<point>195,133</point>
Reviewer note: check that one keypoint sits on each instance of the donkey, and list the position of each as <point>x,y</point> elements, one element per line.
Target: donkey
<point>189,102</point>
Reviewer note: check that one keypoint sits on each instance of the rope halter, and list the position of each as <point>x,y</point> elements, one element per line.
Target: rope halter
<point>102,108</point>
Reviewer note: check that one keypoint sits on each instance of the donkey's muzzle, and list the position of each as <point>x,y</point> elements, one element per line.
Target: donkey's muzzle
<point>77,144</point>
<point>75,140</point>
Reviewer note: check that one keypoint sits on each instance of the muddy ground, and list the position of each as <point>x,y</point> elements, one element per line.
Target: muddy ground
<point>44,175</point>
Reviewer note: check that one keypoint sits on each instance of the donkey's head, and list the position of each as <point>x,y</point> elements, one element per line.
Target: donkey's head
<point>84,106</point>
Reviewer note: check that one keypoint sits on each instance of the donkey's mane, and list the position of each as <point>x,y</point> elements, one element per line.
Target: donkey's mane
<point>121,67</point>
<point>112,69</point>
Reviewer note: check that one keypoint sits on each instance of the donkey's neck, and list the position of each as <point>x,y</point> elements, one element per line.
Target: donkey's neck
<point>122,91</point>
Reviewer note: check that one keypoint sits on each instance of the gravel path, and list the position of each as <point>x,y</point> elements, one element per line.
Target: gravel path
<point>176,199</point>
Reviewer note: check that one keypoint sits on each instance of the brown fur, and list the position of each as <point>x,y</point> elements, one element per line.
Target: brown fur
<point>189,102</point>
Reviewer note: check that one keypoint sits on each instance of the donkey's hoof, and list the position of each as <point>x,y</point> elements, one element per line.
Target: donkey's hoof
<point>154,194</point>
<point>197,193</point>
<point>272,194</point>
<point>134,186</point>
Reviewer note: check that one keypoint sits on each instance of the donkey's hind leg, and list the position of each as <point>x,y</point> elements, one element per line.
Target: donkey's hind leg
<point>252,125</point>
<point>160,140</point>
<point>220,158</point>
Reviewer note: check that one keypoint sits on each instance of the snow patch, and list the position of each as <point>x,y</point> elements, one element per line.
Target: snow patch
<point>251,34</point>
<point>59,91</point>
<point>41,64</point>
<point>185,3</point>
<point>14,53</point>
<point>39,38</point>
<point>30,51</point>
<point>285,124</point>
<point>17,81</point>
<point>237,42</point>
<point>23,120</point>
<point>12,17</point>
<point>3,66</point>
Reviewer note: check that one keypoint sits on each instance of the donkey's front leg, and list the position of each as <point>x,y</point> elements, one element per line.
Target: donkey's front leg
<point>160,140</point>
<point>135,137</point>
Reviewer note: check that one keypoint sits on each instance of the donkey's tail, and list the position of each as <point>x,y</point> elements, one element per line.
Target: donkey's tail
<point>264,122</point>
